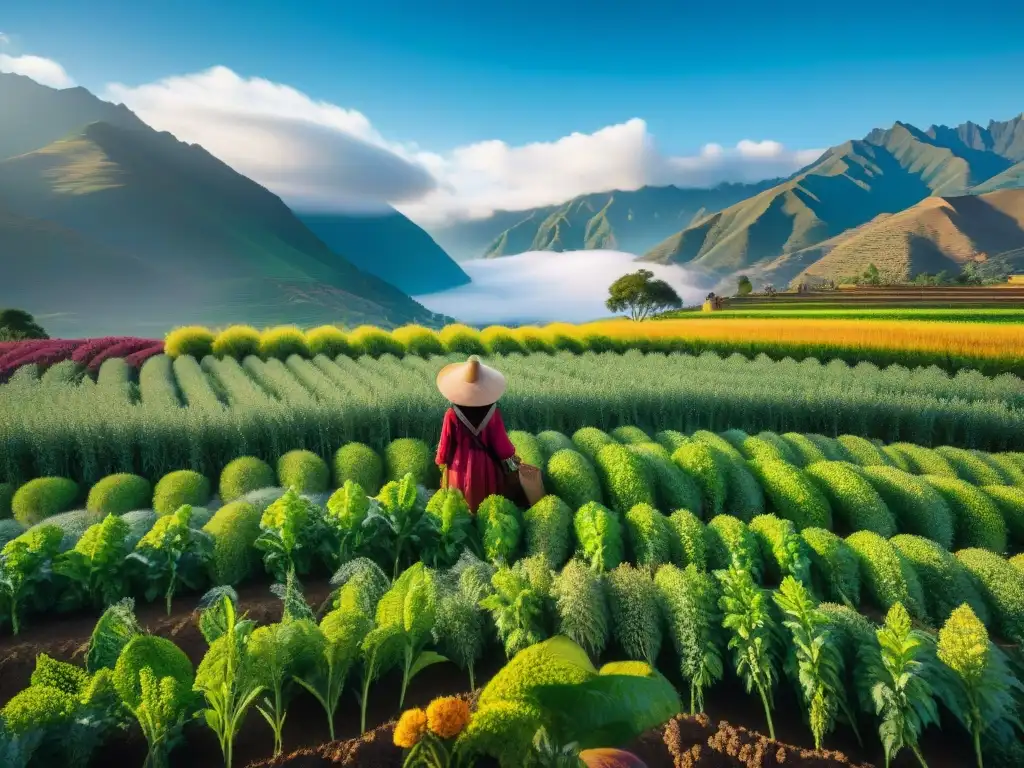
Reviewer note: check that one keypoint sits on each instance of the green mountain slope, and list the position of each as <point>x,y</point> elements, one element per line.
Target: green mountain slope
<point>851,184</point>
<point>241,254</point>
<point>389,246</point>
<point>33,115</point>
<point>468,240</point>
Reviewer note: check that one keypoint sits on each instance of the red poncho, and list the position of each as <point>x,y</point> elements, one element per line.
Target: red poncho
<point>472,469</point>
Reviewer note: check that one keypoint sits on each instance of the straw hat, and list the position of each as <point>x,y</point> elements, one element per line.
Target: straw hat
<point>470,383</point>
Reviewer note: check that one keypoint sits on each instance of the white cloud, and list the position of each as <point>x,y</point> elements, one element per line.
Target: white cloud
<point>318,154</point>
<point>4,38</point>
<point>44,71</point>
<point>541,287</point>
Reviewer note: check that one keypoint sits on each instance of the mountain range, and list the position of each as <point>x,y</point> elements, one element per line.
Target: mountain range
<point>108,226</point>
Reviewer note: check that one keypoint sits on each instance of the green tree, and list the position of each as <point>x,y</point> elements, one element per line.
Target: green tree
<point>17,324</point>
<point>641,294</point>
<point>744,286</point>
<point>871,276</point>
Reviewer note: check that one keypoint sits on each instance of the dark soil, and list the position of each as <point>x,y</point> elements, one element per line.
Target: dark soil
<point>306,734</point>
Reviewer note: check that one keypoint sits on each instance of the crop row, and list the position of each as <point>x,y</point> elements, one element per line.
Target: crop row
<point>200,415</point>
<point>836,660</point>
<point>88,353</point>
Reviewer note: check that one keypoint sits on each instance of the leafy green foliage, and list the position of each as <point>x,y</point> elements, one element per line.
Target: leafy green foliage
<point>25,569</point>
<point>673,488</point>
<point>518,606</point>
<point>978,522</point>
<point>863,452</point>
<point>649,536</point>
<point>528,448</point>
<point>783,551</point>
<point>753,636</point>
<point>782,447</point>
<point>792,494</point>
<point>303,471</point>
<point>402,515</point>
<point>548,526</point>
<point>237,341</point>
<point>59,674</point>
<point>689,603</point>
<point>243,475</point>
<point>818,662</point>
<point>43,497</point>
<point>834,566</point>
<point>670,439</point>
<point>120,493</point>
<point>709,469</point>
<point>688,540</point>
<point>803,450</point>
<point>176,489</point>
<point>1010,501</point>
<point>361,464</point>
<point>94,568</point>
<point>499,525</point>
<point>38,707</point>
<point>902,695</point>
<point>854,636</point>
<point>944,581</point>
<point>234,529</point>
<point>192,340</point>
<point>360,585</point>
<point>114,630</point>
<point>407,456</point>
<point>599,536</point>
<point>1001,585</point>
<point>918,508</point>
<point>641,294</point>
<point>572,478</point>
<point>290,537</point>
<point>636,618</point>
<point>971,467</point>
<point>887,577</point>
<point>590,440</point>
<point>283,341</point>
<point>450,529</point>
<point>459,626</point>
<point>728,540</point>
<point>629,434</point>
<point>173,553</point>
<point>856,505</point>
<point>348,518</point>
<point>624,477</point>
<point>922,460</point>
<point>551,442</point>
<point>581,607</point>
<point>157,654</point>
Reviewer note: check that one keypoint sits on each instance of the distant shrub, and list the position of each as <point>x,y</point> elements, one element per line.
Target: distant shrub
<point>629,434</point>
<point>719,442</point>
<point>245,474</point>
<point>728,540</point>
<point>419,341</point>
<point>589,440</point>
<point>361,464</point>
<point>856,505</point>
<point>599,536</point>
<point>234,529</point>
<point>564,338</point>
<point>573,478</point>
<point>922,460</point>
<point>649,536</point>
<point>373,341</point>
<point>803,449</point>
<point>237,341</point>
<point>918,508</point>
<point>887,576</point>
<point>499,340</point>
<point>282,342</point>
<point>1002,586</point>
<point>673,487</point>
<point>971,466</point>
<point>978,520</point>
<point>688,540</point>
<point>635,612</point>
<point>782,446</point>
<point>329,341</point>
<point>43,497</point>
<point>834,566</point>
<point>117,494</point>
<point>462,340</point>
<point>193,340</point>
<point>1011,469</point>
<point>528,448</point>
<point>832,448</point>
<point>551,442</point>
<point>1010,501</point>
<point>408,455</point>
<point>792,494</point>
<point>548,530</point>
<point>945,582</point>
<point>6,496</point>
<point>671,440</point>
<point>708,469</point>
<point>783,551</point>
<point>754,448</point>
<point>744,496</point>
<point>864,452</point>
<point>178,488</point>
<point>304,471</point>
<point>534,340</point>
<point>624,477</point>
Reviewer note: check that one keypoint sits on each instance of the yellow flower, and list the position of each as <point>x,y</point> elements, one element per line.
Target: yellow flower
<point>410,729</point>
<point>447,716</point>
<point>963,644</point>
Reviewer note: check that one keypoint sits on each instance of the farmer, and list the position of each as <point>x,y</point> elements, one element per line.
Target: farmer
<point>475,454</point>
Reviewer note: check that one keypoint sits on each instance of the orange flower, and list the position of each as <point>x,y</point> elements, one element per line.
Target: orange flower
<point>447,716</point>
<point>410,729</point>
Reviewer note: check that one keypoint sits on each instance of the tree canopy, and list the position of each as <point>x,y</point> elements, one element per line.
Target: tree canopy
<point>641,294</point>
<point>17,324</point>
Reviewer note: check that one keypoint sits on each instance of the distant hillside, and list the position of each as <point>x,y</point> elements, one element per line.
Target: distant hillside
<point>239,253</point>
<point>389,246</point>
<point>624,221</point>
<point>34,115</point>
<point>851,184</point>
<point>467,240</point>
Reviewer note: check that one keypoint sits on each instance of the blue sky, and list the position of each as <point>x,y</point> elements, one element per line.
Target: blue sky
<point>446,73</point>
